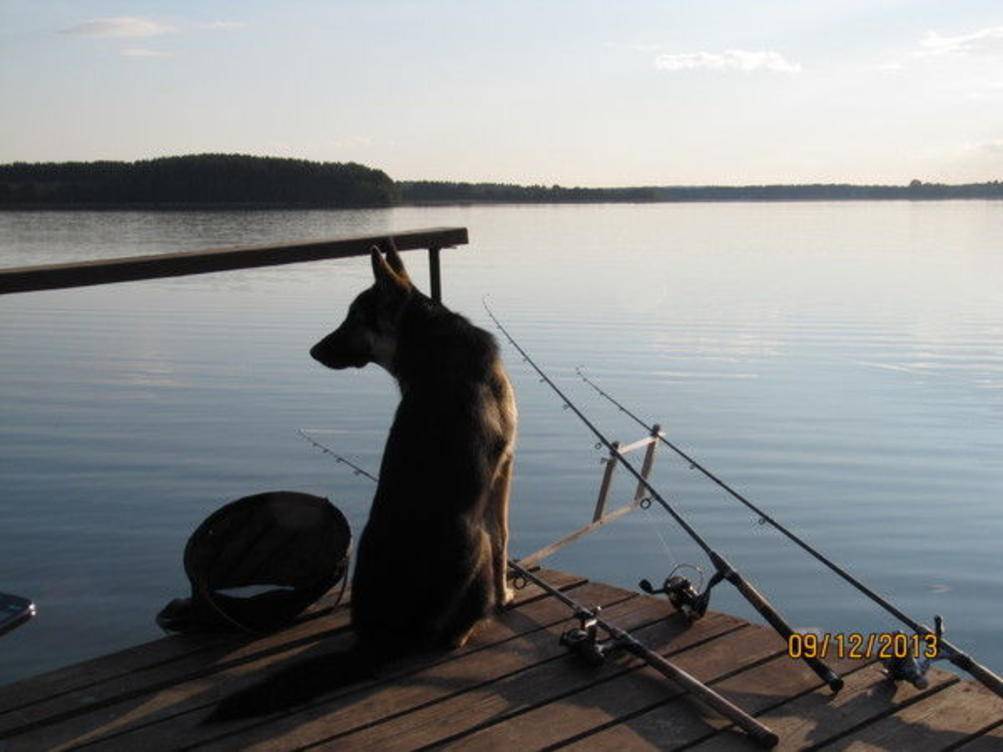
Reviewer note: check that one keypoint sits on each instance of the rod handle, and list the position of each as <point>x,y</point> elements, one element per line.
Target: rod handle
<point>776,621</point>
<point>757,731</point>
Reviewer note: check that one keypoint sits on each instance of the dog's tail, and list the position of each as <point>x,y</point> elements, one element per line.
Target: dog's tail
<point>299,683</point>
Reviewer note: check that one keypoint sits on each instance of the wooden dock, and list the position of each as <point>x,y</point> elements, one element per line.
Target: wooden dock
<point>513,688</point>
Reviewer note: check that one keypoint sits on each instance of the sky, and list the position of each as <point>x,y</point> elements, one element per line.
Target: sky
<point>545,91</point>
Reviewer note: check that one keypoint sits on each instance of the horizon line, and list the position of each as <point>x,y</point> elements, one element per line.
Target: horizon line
<point>817,183</point>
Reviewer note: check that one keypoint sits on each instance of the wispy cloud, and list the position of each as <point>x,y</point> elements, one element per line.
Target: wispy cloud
<point>221,25</point>
<point>143,52</point>
<point>985,40</point>
<point>939,49</point>
<point>994,147</point>
<point>635,46</point>
<point>129,27</point>
<point>352,142</point>
<point>119,27</point>
<point>729,60</point>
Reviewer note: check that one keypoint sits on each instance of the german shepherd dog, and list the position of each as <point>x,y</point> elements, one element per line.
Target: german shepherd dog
<point>431,561</point>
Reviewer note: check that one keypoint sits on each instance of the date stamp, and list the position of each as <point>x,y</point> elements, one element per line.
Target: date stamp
<point>862,646</point>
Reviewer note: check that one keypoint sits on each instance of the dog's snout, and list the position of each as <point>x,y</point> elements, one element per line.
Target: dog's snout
<point>340,350</point>
<point>324,353</point>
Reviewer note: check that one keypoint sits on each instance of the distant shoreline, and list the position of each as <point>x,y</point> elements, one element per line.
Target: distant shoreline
<point>234,182</point>
<point>245,206</point>
<point>181,207</point>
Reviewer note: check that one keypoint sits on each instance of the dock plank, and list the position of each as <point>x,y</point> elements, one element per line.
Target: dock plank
<point>990,741</point>
<point>186,695</point>
<point>937,722</point>
<point>112,685</point>
<point>811,719</point>
<point>43,687</point>
<point>510,700</point>
<point>125,685</point>
<point>580,708</point>
<point>512,687</point>
<point>673,723</point>
<point>338,714</point>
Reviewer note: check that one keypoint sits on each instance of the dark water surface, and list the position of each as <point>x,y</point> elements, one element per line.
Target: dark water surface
<point>840,364</point>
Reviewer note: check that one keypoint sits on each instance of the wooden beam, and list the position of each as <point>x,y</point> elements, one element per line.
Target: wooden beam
<point>434,276</point>
<point>649,460</point>
<point>128,269</point>
<point>646,441</point>
<point>607,478</point>
<point>537,556</point>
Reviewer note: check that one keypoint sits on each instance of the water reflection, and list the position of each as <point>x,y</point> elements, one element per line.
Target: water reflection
<point>838,363</point>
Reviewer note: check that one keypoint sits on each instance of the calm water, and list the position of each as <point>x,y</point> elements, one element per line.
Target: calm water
<point>841,364</point>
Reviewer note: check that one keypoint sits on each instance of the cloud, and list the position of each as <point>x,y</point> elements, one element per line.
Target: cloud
<point>352,142</point>
<point>985,40</point>
<point>222,25</point>
<point>635,46</point>
<point>976,161</point>
<point>993,148</point>
<point>985,90</point>
<point>143,52</point>
<point>119,27</point>
<point>740,60</point>
<point>939,49</point>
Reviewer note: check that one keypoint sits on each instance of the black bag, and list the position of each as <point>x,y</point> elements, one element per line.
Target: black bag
<point>295,545</point>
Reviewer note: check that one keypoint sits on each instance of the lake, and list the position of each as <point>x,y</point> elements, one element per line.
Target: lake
<point>841,364</point>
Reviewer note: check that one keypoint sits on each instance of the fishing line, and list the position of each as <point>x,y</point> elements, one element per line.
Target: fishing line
<point>677,563</point>
<point>656,526</point>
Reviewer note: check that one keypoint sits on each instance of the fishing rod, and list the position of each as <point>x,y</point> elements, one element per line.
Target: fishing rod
<point>356,470</point>
<point>723,569</point>
<point>950,652</point>
<point>584,641</point>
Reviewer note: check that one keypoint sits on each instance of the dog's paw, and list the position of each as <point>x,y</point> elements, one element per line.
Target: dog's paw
<point>507,596</point>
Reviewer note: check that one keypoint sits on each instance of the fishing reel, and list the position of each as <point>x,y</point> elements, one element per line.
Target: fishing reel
<point>684,596</point>
<point>584,641</point>
<point>911,667</point>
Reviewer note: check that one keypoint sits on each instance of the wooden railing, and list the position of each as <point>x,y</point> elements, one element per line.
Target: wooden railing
<point>131,268</point>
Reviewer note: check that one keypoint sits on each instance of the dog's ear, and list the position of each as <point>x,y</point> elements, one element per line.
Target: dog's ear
<point>384,274</point>
<point>394,260</point>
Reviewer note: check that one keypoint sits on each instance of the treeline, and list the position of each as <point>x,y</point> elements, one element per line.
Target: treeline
<point>197,180</point>
<point>436,192</point>
<point>439,192</point>
<point>228,180</point>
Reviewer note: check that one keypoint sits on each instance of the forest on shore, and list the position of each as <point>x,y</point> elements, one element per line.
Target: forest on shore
<point>234,180</point>
<point>196,181</point>
<point>427,192</point>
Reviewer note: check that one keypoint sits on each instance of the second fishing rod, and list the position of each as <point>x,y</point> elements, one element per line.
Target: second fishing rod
<point>723,569</point>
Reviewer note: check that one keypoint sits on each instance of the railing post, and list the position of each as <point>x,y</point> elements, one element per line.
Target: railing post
<point>607,477</point>
<point>649,460</point>
<point>433,274</point>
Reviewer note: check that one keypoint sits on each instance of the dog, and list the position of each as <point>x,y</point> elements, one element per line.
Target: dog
<point>431,561</point>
